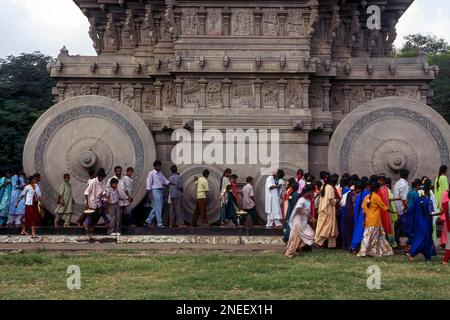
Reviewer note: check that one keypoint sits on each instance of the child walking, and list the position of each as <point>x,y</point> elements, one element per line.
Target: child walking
<point>32,216</point>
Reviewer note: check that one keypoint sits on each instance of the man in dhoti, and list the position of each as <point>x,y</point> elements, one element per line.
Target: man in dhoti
<point>272,197</point>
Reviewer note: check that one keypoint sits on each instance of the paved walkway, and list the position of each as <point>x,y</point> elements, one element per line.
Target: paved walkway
<point>144,247</point>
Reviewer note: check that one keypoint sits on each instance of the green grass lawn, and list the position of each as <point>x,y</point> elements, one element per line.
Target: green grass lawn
<point>140,275</point>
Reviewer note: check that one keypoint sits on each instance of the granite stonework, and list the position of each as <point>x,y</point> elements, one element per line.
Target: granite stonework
<point>309,68</point>
<point>178,239</point>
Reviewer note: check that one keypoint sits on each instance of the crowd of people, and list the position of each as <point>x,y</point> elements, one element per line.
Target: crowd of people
<point>367,216</point>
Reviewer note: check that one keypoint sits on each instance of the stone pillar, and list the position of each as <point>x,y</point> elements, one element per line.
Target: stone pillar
<point>202,93</point>
<point>138,98</point>
<point>368,93</point>
<point>257,16</point>
<point>226,83</point>
<point>61,90</point>
<point>423,94</point>
<point>347,99</point>
<point>201,31</point>
<point>258,84</point>
<point>305,93</point>
<point>179,93</point>
<point>282,23</point>
<point>177,17</point>
<point>158,101</point>
<point>116,91</point>
<point>226,22</point>
<point>326,87</point>
<point>281,93</point>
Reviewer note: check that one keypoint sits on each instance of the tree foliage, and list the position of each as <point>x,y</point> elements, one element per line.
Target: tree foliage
<point>25,93</point>
<point>430,44</point>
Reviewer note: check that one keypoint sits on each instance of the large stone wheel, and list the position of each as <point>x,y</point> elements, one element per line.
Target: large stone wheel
<point>87,132</point>
<point>388,134</point>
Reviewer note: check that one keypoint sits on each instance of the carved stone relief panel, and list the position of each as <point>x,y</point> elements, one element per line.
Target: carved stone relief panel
<point>70,92</point>
<point>270,22</point>
<point>294,94</point>
<point>190,94</point>
<point>214,22</point>
<point>127,95</point>
<point>168,94</point>
<point>241,22</point>
<point>295,27</point>
<point>214,93</point>
<point>129,34</point>
<point>242,94</point>
<point>149,99</point>
<point>357,97</point>
<point>189,21</point>
<point>410,92</point>
<point>105,90</point>
<point>269,94</point>
<point>380,92</point>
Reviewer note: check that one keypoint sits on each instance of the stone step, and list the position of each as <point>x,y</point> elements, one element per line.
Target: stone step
<point>140,231</point>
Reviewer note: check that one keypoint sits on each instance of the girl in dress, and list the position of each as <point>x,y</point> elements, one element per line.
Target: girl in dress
<point>32,216</point>
<point>374,243</point>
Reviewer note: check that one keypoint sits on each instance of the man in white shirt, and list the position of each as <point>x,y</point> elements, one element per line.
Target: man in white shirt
<point>248,201</point>
<point>128,184</point>
<point>272,201</point>
<point>156,181</point>
<point>93,195</point>
<point>401,189</point>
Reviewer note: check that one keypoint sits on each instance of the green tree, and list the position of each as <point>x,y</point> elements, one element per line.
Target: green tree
<point>441,85</point>
<point>430,44</point>
<point>25,93</point>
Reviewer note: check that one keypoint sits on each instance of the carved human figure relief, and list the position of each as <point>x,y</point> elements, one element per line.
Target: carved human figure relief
<point>129,35</point>
<point>110,38</point>
<point>95,35</point>
<point>214,93</point>
<point>149,99</point>
<point>128,97</point>
<point>270,94</point>
<point>241,22</point>
<point>148,32</point>
<point>270,23</point>
<point>242,95</point>
<point>214,22</point>
<point>294,94</point>
<point>189,21</point>
<point>190,93</point>
<point>168,94</point>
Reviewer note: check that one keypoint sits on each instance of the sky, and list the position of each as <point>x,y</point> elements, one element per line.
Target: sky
<point>48,25</point>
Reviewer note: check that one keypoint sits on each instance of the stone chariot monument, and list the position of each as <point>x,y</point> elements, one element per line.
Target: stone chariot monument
<point>310,68</point>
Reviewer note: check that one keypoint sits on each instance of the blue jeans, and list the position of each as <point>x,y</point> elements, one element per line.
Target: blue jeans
<point>157,206</point>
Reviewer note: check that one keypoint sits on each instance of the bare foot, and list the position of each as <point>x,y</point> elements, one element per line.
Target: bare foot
<point>410,258</point>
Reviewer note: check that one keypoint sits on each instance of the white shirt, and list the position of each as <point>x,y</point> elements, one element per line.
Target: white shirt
<point>94,191</point>
<point>401,189</point>
<point>29,194</point>
<point>247,193</point>
<point>121,187</point>
<point>156,180</point>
